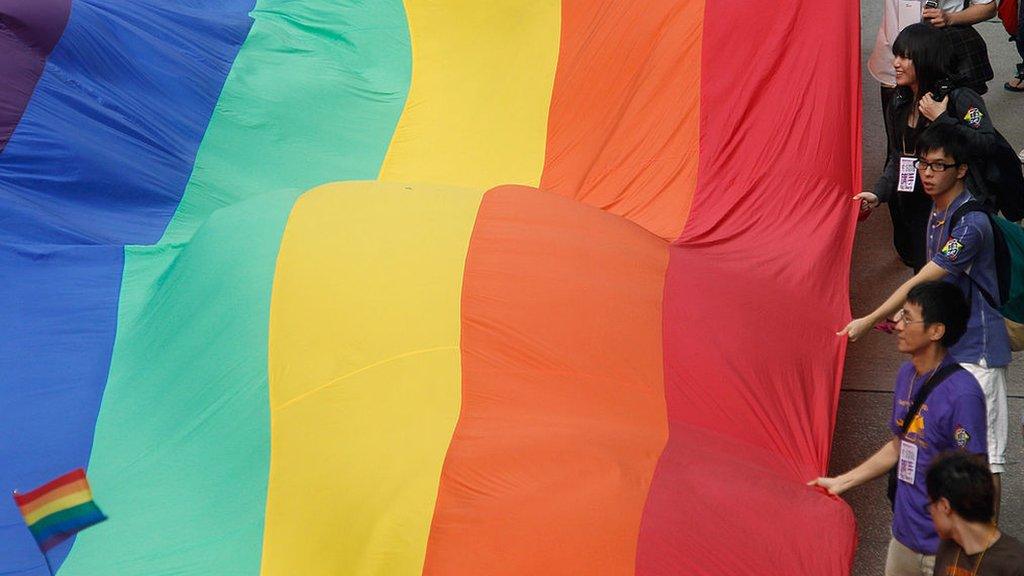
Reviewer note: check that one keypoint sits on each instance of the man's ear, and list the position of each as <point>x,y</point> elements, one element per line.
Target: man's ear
<point>943,506</point>
<point>961,171</point>
<point>936,331</point>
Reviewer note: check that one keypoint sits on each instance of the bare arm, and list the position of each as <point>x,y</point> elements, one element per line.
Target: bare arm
<point>860,326</point>
<point>971,15</point>
<point>879,463</point>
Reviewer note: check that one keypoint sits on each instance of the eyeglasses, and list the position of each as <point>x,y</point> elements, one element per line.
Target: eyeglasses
<point>901,318</point>
<point>935,166</point>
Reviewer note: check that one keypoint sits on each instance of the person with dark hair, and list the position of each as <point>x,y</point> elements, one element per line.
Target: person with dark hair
<point>962,506</point>
<point>922,62</point>
<point>962,253</point>
<point>950,414</point>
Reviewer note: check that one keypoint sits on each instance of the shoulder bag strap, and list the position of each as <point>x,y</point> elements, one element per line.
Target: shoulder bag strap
<point>925,390</point>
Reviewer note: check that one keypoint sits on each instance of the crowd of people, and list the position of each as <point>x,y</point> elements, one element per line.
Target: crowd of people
<point>945,177</point>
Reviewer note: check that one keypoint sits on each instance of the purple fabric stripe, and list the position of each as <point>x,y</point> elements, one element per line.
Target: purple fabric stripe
<point>29,29</point>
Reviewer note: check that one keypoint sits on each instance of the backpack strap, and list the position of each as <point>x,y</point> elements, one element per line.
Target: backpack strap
<point>958,214</point>
<point>951,106</point>
<point>966,207</point>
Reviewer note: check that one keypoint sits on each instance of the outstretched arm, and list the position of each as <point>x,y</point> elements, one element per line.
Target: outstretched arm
<point>879,463</point>
<point>860,326</point>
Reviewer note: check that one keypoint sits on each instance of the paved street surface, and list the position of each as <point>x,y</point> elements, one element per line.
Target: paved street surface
<point>866,399</point>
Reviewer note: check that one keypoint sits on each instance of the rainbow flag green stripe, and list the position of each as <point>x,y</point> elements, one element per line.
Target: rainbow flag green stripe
<point>292,114</point>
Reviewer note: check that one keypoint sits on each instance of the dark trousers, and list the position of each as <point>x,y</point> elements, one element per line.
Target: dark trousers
<point>909,212</point>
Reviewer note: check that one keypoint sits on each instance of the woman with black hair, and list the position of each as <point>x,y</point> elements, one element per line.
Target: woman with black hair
<point>924,95</point>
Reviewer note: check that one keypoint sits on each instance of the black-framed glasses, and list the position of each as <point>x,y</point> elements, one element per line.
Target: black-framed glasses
<point>901,318</point>
<point>935,166</point>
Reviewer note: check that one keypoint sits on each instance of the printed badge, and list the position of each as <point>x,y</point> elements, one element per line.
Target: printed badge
<point>973,117</point>
<point>907,467</point>
<point>961,436</point>
<point>908,174</point>
<point>952,249</point>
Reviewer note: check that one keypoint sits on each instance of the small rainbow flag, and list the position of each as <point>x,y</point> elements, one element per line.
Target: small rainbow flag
<point>59,509</point>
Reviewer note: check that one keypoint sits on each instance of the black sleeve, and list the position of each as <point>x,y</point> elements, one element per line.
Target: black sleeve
<point>886,183</point>
<point>967,112</point>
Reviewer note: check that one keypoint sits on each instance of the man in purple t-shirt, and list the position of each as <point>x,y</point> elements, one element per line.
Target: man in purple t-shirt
<point>952,416</point>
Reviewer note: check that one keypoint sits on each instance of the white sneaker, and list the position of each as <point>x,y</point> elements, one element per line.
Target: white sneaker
<point>1021,156</point>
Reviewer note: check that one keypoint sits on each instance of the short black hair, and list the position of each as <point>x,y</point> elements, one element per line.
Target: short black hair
<point>947,138</point>
<point>965,480</point>
<point>942,302</point>
<point>928,48</point>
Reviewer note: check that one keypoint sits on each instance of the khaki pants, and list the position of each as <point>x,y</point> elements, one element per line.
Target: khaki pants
<point>902,561</point>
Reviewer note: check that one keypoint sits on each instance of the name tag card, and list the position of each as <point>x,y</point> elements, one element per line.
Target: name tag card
<point>908,174</point>
<point>908,462</point>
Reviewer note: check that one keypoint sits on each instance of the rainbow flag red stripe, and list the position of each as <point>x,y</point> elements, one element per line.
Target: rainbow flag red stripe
<point>59,509</point>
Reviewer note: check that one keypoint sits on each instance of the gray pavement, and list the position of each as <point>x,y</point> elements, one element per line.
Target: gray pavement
<point>866,397</point>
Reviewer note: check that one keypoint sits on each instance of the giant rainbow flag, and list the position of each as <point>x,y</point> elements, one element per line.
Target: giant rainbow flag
<point>451,287</point>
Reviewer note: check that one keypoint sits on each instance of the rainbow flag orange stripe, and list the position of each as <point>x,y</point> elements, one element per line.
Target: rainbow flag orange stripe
<point>59,509</point>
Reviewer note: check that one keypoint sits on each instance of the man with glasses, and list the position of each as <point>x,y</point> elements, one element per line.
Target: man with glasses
<point>952,416</point>
<point>954,252</point>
